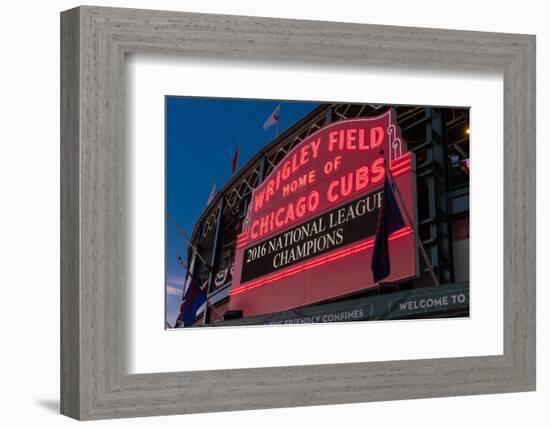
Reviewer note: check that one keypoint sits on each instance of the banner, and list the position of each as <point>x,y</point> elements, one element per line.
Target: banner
<point>449,299</point>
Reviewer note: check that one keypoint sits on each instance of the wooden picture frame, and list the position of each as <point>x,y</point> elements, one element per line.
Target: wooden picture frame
<point>94,382</point>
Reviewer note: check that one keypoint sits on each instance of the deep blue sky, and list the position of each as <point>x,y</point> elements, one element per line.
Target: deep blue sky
<point>201,136</point>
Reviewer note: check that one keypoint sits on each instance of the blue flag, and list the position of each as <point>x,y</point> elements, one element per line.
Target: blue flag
<point>193,300</point>
<point>328,117</point>
<point>389,221</point>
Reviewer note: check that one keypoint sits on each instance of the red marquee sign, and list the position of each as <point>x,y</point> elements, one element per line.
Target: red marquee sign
<point>309,231</point>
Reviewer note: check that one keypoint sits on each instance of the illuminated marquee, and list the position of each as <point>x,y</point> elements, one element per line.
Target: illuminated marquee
<point>316,212</point>
<point>310,178</point>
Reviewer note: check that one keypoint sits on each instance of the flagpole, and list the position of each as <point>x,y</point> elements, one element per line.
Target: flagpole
<point>411,223</point>
<point>212,193</point>
<point>191,245</point>
<point>193,278</point>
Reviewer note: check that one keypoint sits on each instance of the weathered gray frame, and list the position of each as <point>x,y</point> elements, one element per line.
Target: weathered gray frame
<point>94,42</point>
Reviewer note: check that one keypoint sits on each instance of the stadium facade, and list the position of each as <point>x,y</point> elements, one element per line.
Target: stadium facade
<point>438,140</point>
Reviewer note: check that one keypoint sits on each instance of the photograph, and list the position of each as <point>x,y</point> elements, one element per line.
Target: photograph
<point>288,212</point>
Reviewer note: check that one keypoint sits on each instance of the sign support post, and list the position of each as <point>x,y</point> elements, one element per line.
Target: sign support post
<point>412,224</point>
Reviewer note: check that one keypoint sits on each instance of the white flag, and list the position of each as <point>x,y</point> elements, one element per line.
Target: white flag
<point>212,194</point>
<point>273,118</point>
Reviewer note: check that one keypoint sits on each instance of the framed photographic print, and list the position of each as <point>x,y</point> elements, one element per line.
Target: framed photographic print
<point>315,228</point>
<point>298,212</point>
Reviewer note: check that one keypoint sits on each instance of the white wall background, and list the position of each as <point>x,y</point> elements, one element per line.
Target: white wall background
<point>29,213</point>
